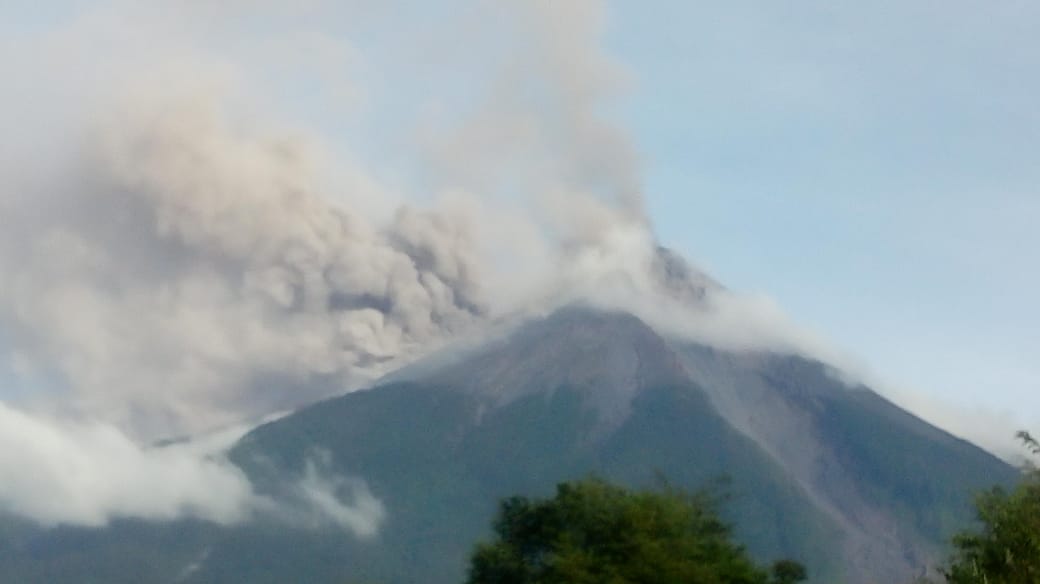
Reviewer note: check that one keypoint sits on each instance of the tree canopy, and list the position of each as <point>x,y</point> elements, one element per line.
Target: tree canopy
<point>595,532</point>
<point>1006,547</point>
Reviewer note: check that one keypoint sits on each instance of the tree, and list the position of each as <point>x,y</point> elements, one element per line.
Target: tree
<point>788,572</point>
<point>595,532</point>
<point>1006,550</point>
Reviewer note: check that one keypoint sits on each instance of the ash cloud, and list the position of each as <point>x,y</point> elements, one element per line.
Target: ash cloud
<point>194,258</point>
<point>174,244</point>
<point>540,126</point>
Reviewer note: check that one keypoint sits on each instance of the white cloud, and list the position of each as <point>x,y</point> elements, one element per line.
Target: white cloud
<point>90,473</point>
<point>86,473</point>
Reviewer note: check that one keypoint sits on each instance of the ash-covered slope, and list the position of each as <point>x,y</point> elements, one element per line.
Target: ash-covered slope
<point>831,475</point>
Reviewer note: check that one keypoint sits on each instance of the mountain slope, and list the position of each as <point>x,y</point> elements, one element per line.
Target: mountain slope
<point>898,486</point>
<point>821,471</point>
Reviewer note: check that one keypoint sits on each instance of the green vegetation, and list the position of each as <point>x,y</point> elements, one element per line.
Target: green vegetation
<point>1006,550</point>
<point>595,532</point>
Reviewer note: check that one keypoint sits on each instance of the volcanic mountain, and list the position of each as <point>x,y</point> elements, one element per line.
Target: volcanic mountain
<point>816,469</point>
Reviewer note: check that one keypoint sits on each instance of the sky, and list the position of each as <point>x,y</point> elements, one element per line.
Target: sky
<point>870,168</point>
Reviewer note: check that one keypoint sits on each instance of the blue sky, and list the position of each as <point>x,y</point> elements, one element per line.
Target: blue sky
<point>871,166</point>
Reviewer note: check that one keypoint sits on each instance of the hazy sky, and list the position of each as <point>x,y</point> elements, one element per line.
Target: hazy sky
<point>871,166</point>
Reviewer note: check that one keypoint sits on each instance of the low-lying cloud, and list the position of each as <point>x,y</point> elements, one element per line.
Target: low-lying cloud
<point>321,497</point>
<point>63,472</point>
<point>88,473</point>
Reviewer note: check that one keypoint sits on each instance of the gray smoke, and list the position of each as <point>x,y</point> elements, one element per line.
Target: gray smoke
<point>184,248</point>
<point>194,258</point>
<point>539,127</point>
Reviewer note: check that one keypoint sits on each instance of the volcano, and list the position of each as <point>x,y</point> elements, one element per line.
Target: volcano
<point>815,469</point>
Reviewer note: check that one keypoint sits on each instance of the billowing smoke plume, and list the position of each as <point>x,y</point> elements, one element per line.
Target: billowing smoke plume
<point>189,259</point>
<point>183,249</point>
<point>196,261</point>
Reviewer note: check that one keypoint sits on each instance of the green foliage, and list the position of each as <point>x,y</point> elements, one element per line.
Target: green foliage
<point>1006,550</point>
<point>788,572</point>
<point>595,532</point>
